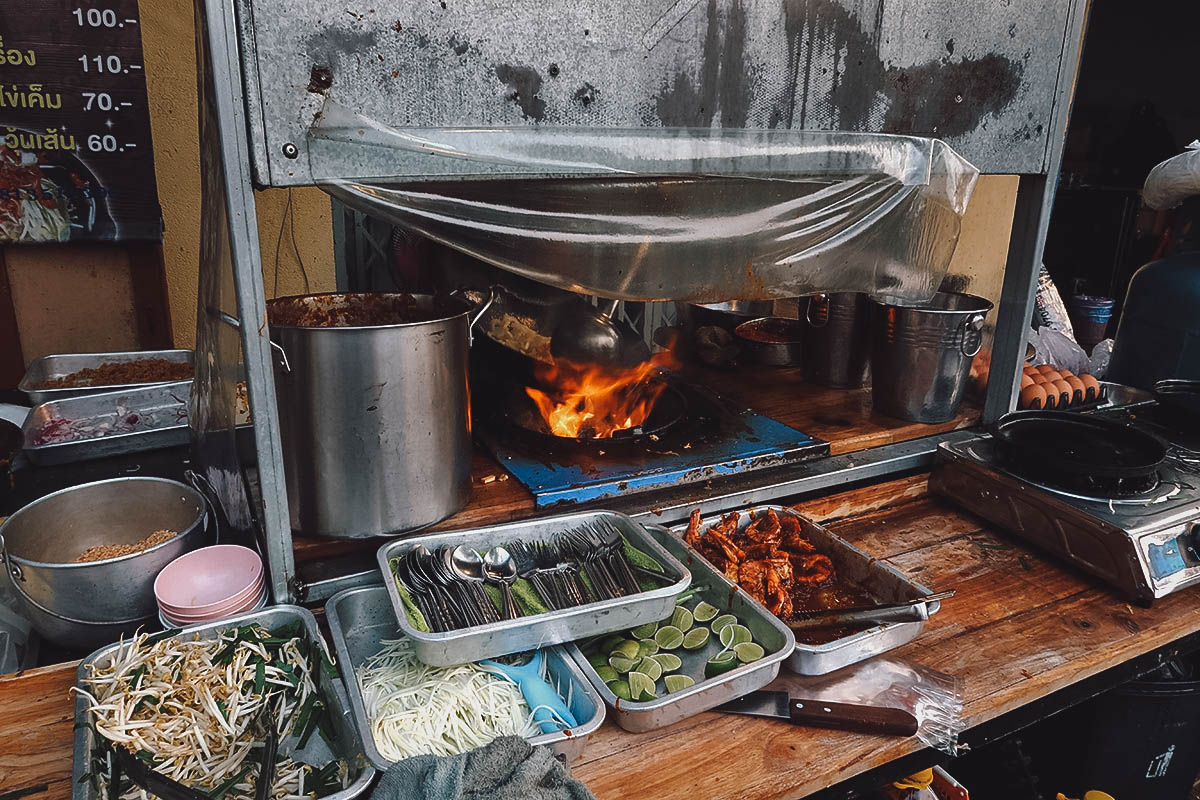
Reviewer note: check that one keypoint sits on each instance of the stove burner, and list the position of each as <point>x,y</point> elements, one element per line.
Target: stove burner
<point>1142,492</point>
<point>526,423</point>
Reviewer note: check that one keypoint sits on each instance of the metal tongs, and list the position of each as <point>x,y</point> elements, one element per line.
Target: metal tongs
<point>915,610</point>
<point>160,785</point>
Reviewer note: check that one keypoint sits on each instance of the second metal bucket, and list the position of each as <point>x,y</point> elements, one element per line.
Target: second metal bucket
<point>373,410</point>
<point>921,355</point>
<point>837,339</point>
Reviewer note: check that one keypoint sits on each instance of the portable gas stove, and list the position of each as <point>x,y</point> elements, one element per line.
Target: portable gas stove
<point>695,436</point>
<point>1141,536</point>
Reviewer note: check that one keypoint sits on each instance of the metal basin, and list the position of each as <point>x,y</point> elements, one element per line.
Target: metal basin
<point>40,542</point>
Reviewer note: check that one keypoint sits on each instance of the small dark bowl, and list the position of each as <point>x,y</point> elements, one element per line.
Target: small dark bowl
<point>774,341</point>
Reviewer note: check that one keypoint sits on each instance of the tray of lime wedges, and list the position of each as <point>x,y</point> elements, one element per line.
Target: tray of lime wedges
<point>716,645</point>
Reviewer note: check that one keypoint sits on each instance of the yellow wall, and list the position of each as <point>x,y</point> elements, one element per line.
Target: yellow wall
<point>168,40</point>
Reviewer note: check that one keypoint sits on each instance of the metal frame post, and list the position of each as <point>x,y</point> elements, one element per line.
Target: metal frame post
<point>221,67</point>
<point>1031,221</point>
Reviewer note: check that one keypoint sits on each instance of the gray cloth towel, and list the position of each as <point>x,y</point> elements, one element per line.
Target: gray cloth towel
<point>507,769</point>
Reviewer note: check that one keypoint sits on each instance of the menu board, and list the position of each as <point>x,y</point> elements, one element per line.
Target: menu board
<point>76,162</point>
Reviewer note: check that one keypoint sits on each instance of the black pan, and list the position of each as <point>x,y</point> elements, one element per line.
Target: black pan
<point>1068,445</point>
<point>1181,400</point>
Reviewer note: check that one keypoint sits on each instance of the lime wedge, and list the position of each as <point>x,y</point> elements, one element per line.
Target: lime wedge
<point>695,638</point>
<point>681,618</point>
<point>645,631</point>
<point>621,664</point>
<point>607,673</point>
<point>647,647</point>
<point>669,637</point>
<point>598,660</point>
<point>628,648</point>
<point>650,667</point>
<point>668,661</point>
<point>641,687</point>
<point>720,664</point>
<point>734,634</point>
<point>610,643</point>
<point>703,611</point>
<point>748,651</point>
<point>676,683</point>
<point>720,623</point>
<point>621,689</point>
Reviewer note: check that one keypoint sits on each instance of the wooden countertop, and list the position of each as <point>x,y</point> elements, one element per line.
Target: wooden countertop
<point>1020,628</point>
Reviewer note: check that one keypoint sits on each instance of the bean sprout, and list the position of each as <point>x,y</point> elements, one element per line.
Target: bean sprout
<point>195,709</point>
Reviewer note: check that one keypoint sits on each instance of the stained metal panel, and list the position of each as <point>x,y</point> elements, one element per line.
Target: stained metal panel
<point>980,75</point>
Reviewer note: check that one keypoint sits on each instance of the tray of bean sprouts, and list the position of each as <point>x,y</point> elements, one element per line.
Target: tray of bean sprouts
<point>198,706</point>
<point>404,707</point>
<point>473,594</point>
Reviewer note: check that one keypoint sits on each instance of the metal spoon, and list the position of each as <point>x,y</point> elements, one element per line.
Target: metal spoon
<point>468,565</point>
<point>499,565</point>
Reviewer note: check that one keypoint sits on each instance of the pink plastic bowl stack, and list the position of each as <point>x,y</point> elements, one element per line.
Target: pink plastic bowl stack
<point>209,584</point>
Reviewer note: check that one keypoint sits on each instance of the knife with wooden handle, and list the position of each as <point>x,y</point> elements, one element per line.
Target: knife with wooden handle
<point>825,714</point>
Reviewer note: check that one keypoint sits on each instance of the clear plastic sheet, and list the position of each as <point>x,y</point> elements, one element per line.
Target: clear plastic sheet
<point>664,213</point>
<point>933,697</point>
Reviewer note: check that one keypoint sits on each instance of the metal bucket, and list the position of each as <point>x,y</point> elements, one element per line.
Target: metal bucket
<point>837,339</point>
<point>374,418</point>
<point>40,542</point>
<point>921,355</point>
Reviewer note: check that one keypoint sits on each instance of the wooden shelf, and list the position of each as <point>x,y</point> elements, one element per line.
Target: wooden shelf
<point>842,417</point>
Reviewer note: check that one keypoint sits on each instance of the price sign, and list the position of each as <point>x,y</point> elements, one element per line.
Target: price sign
<point>75,152</point>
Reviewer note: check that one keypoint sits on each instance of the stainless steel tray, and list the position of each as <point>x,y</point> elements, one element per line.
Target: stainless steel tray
<point>359,619</point>
<point>162,422</point>
<point>882,580</point>
<point>346,742</point>
<point>50,367</point>
<point>539,630</point>
<point>775,637</point>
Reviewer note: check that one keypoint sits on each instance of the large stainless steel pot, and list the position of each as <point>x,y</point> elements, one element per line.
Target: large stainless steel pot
<point>373,410</point>
<point>40,542</point>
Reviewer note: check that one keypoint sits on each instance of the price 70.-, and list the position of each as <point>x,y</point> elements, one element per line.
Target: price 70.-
<point>101,101</point>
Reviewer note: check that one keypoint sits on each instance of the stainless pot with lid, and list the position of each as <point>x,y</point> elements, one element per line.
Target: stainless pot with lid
<point>373,410</point>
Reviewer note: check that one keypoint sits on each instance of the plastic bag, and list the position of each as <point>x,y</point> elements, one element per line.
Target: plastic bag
<point>663,213</point>
<point>933,697</point>
<point>1100,358</point>
<point>1174,180</point>
<point>1059,350</point>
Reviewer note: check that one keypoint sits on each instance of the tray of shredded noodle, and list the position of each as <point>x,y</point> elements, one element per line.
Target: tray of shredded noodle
<point>403,707</point>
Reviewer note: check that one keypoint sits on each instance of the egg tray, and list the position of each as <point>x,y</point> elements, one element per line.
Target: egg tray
<point>1081,404</point>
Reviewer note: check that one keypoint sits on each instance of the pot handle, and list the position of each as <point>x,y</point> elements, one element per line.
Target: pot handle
<point>13,569</point>
<point>234,322</point>
<point>972,335</point>
<point>479,312</point>
<point>812,301</point>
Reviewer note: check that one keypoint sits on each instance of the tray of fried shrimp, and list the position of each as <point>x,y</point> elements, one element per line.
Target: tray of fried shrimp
<point>794,566</point>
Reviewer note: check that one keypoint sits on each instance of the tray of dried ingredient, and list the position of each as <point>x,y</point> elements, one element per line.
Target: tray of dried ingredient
<point>62,375</point>
<point>792,565</point>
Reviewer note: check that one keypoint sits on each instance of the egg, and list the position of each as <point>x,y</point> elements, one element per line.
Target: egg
<point>1078,390</point>
<point>1051,375</point>
<point>1026,381</point>
<point>1063,389</point>
<point>1044,368</point>
<point>1033,396</point>
<point>1091,386</point>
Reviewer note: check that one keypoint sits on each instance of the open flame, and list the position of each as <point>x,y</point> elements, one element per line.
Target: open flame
<point>594,402</point>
